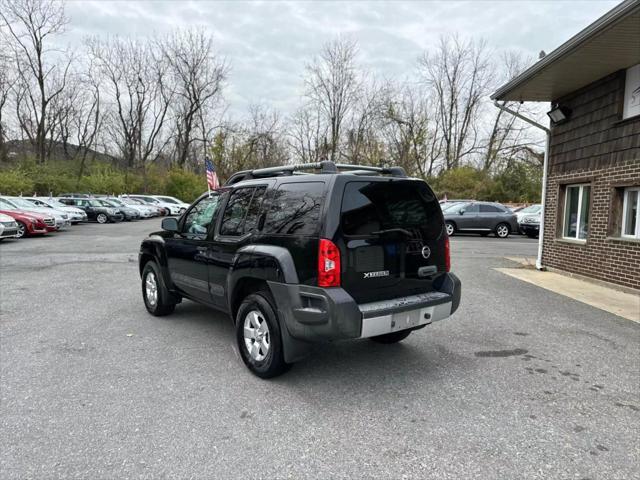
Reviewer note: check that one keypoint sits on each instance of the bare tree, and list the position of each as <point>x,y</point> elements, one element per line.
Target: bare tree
<point>332,85</point>
<point>28,26</point>
<point>198,75</point>
<point>306,135</point>
<point>7,78</point>
<point>458,74</point>
<point>134,77</point>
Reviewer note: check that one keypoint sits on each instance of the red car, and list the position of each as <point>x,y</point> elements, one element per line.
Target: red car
<point>29,223</point>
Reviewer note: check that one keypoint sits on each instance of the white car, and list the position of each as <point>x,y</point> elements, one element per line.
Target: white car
<point>146,211</point>
<point>173,208</point>
<point>531,209</point>
<point>61,218</point>
<point>8,227</point>
<point>173,200</point>
<point>76,215</point>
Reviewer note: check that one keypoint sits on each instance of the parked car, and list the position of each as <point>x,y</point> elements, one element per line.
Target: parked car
<point>129,213</point>
<point>530,225</point>
<point>480,217</point>
<point>170,208</point>
<point>95,210</point>
<point>61,219</point>
<point>8,227</point>
<point>299,259</point>
<point>146,210</point>
<point>29,223</point>
<point>76,215</point>
<point>172,200</point>
<point>535,208</point>
<point>152,202</point>
<point>76,195</point>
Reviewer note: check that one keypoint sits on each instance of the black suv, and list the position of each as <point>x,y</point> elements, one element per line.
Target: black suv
<point>296,258</point>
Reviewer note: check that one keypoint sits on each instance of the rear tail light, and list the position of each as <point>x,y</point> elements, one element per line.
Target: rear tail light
<point>328,264</point>
<point>447,254</point>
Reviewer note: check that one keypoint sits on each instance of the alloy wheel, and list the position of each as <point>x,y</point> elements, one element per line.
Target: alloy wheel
<point>151,289</point>
<point>21,230</point>
<point>102,218</point>
<point>257,337</point>
<point>450,229</point>
<point>502,231</point>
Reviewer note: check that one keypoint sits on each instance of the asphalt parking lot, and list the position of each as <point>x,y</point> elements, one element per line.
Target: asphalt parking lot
<point>519,383</point>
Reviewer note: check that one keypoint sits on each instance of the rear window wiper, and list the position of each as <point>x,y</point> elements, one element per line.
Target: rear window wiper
<point>389,231</point>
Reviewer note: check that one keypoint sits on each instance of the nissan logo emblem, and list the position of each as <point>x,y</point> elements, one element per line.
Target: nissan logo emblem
<point>426,252</point>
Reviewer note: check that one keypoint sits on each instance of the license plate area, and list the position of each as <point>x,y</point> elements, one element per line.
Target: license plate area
<point>396,321</point>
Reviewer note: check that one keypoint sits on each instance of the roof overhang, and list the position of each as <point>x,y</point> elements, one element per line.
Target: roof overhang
<point>609,44</point>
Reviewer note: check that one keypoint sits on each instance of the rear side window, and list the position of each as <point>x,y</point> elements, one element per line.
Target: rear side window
<point>368,207</point>
<point>241,213</point>
<point>490,209</point>
<point>295,209</point>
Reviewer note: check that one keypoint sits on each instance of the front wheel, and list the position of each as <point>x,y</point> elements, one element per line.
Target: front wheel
<point>393,337</point>
<point>502,230</point>
<point>22,229</point>
<point>258,336</point>
<point>154,293</point>
<point>451,228</point>
<point>102,218</point>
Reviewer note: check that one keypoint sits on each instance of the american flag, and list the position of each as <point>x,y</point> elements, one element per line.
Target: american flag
<point>212,177</point>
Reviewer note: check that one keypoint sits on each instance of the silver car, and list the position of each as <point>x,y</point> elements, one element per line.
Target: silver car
<point>76,215</point>
<point>8,227</point>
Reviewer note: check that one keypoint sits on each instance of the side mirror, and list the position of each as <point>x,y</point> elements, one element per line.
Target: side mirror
<point>170,224</point>
<point>461,212</point>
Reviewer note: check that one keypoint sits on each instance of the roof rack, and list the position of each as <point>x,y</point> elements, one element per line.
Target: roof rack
<point>327,167</point>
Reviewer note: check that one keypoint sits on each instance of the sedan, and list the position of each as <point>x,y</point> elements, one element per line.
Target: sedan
<point>480,217</point>
<point>129,213</point>
<point>94,209</point>
<point>8,227</point>
<point>76,215</point>
<point>61,218</point>
<point>30,223</point>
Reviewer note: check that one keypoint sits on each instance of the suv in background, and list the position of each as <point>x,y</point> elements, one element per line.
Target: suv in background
<point>95,209</point>
<point>342,253</point>
<point>480,217</point>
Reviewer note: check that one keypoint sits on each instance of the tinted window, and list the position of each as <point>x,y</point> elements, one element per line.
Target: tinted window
<point>490,209</point>
<point>251,221</point>
<point>236,211</point>
<point>371,206</point>
<point>472,208</point>
<point>200,216</point>
<point>295,209</point>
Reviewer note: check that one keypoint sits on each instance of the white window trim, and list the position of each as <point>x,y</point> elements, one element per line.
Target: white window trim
<point>564,217</point>
<point>625,204</point>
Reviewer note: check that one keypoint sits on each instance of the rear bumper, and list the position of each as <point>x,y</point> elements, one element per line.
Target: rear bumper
<point>320,314</point>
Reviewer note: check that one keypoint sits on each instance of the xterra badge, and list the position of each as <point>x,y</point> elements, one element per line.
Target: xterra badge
<point>382,273</point>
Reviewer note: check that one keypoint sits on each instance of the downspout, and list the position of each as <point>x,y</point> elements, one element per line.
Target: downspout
<point>545,166</point>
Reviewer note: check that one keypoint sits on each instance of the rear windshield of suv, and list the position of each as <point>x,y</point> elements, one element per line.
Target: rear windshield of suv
<point>369,207</point>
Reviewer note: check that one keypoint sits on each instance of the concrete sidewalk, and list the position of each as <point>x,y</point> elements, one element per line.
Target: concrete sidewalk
<point>626,305</point>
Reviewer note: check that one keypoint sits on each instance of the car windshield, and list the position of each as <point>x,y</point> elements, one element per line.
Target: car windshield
<point>52,203</point>
<point>115,201</point>
<point>7,205</point>
<point>530,209</point>
<point>22,203</point>
<point>448,206</point>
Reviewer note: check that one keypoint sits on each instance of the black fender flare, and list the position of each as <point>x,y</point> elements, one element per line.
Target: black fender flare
<point>153,247</point>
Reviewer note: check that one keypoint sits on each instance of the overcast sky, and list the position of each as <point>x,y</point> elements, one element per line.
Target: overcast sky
<point>268,43</point>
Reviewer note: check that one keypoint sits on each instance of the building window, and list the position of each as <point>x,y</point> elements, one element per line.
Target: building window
<point>631,213</point>
<point>576,212</point>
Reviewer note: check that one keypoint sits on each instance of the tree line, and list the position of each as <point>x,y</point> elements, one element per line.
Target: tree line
<point>159,103</point>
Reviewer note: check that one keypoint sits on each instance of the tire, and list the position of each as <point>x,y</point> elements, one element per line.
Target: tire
<point>155,299</point>
<point>102,218</point>
<point>260,343</point>
<point>393,337</point>
<point>22,229</point>
<point>450,227</point>
<point>502,230</point>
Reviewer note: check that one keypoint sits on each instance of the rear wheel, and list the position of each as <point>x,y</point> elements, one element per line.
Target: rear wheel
<point>154,293</point>
<point>393,337</point>
<point>502,230</point>
<point>451,228</point>
<point>258,336</point>
<point>102,218</point>
<point>22,229</point>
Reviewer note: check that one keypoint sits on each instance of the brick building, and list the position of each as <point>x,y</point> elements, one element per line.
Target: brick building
<point>591,220</point>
